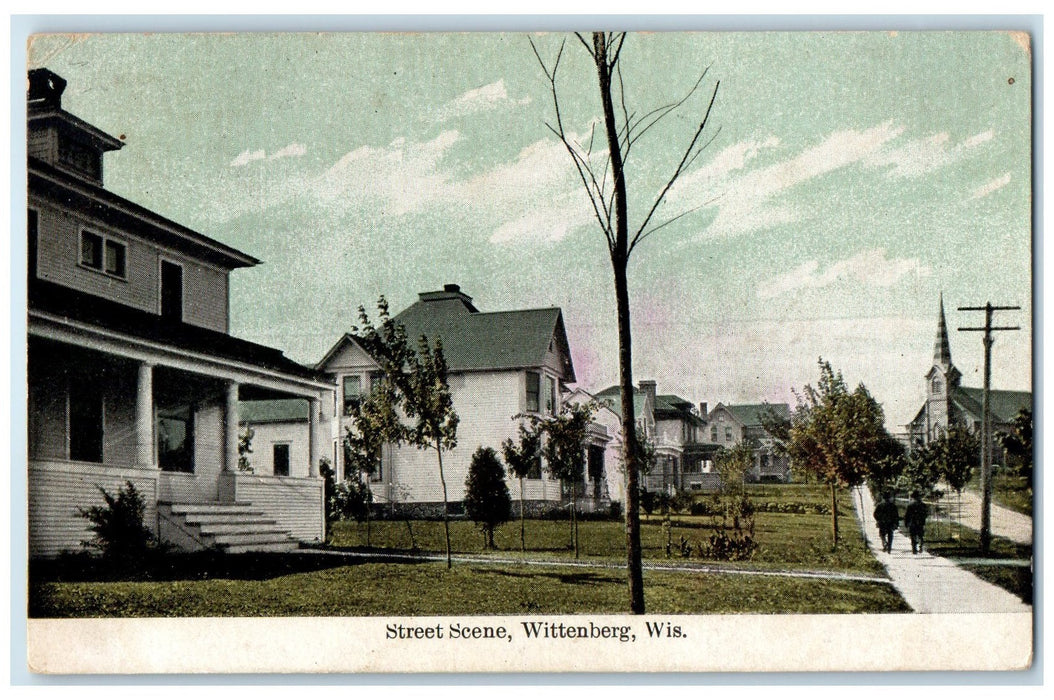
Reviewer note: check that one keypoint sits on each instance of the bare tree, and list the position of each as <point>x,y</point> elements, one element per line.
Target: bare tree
<point>603,176</point>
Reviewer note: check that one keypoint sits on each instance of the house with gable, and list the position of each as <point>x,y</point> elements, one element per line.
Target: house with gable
<point>603,481</point>
<point>949,403</point>
<point>730,424</point>
<point>501,364</point>
<point>132,375</point>
<point>676,430</point>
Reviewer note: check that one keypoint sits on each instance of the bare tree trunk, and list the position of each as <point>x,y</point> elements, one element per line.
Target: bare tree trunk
<point>574,516</point>
<point>619,260</point>
<point>446,516</point>
<point>834,513</point>
<point>523,531</point>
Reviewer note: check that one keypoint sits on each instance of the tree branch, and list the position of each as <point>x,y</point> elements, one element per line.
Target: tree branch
<point>677,172</point>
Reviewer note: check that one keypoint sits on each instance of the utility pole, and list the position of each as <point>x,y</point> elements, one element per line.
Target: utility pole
<point>986,415</point>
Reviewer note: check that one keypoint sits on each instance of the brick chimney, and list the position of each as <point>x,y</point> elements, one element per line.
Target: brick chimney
<point>45,89</point>
<point>702,409</point>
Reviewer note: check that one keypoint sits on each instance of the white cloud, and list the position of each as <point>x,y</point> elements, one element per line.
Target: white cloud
<point>921,156</point>
<point>404,175</point>
<point>247,156</point>
<point>870,267</point>
<point>293,150</point>
<point>990,187</point>
<point>492,96</point>
<point>744,202</point>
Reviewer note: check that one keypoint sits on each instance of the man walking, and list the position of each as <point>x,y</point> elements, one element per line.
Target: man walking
<point>915,521</point>
<point>888,517</point>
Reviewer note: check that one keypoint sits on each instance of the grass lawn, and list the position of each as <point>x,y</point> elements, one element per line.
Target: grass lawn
<point>963,543</point>
<point>330,584</point>
<point>1012,492</point>
<point>793,541</point>
<point>327,585</point>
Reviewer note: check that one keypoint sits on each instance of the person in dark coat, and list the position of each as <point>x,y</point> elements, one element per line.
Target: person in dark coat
<point>915,521</point>
<point>888,518</point>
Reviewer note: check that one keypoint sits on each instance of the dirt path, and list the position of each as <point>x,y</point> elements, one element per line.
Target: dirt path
<point>932,584</point>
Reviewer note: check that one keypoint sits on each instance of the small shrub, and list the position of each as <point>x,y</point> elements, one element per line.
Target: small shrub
<point>120,533</point>
<point>725,547</point>
<point>616,510</point>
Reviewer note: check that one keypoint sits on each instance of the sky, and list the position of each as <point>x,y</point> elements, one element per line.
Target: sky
<point>849,179</point>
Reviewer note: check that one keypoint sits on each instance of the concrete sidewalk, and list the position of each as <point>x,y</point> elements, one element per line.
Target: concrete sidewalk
<point>932,584</point>
<point>1005,522</point>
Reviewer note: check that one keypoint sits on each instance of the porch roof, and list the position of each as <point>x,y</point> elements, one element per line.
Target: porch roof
<point>74,305</point>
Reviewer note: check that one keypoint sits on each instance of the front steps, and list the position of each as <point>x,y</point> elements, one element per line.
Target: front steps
<point>234,528</point>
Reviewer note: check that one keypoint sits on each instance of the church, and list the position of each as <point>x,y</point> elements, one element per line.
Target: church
<point>947,402</point>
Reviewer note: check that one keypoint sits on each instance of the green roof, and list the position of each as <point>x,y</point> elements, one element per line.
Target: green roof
<point>751,413</point>
<point>1003,404</point>
<point>275,411</point>
<point>473,340</point>
<point>612,397</point>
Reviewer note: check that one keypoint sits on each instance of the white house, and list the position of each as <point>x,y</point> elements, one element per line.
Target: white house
<point>501,364</point>
<point>132,375</point>
<point>730,424</point>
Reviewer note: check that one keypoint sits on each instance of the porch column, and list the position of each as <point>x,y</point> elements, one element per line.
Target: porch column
<point>230,443</point>
<point>144,417</point>
<point>313,441</point>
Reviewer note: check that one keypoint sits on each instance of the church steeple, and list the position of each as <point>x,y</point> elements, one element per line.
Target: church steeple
<point>942,353</point>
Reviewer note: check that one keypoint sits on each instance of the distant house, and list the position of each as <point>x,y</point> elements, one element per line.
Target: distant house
<point>501,364</point>
<point>949,403</point>
<point>132,375</point>
<point>734,423</point>
<point>603,481</point>
<point>671,424</point>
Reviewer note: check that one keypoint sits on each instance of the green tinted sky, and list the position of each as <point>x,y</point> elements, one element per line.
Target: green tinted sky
<point>851,177</point>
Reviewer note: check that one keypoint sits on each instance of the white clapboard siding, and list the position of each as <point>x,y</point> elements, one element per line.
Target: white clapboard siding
<point>205,287</point>
<point>59,490</point>
<point>294,504</point>
<point>485,403</point>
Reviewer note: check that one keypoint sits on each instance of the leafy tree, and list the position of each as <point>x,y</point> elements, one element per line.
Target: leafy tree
<point>374,423</point>
<point>959,451</point>
<point>837,434</point>
<point>1018,444</point>
<point>245,448</point>
<point>522,457</point>
<point>733,465</point>
<point>120,533</point>
<point>487,499</point>
<point>564,449</point>
<point>417,385</point>
<point>922,470</point>
<point>603,176</point>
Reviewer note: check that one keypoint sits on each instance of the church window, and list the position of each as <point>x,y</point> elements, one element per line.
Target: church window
<point>935,385</point>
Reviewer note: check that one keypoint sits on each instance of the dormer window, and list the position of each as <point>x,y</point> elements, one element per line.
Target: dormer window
<point>103,254</point>
<point>83,159</point>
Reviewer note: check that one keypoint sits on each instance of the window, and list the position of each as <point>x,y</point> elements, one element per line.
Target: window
<point>86,421</point>
<point>114,259</point>
<point>79,157</point>
<point>596,463</point>
<point>535,472</point>
<point>171,291</point>
<point>550,395</point>
<point>378,473</point>
<point>31,243</point>
<point>713,433</point>
<point>375,379</point>
<point>352,392</point>
<point>534,390</point>
<point>936,384</point>
<point>281,459</point>
<point>103,254</point>
<point>175,439</point>
<point>91,250</point>
<point>728,434</point>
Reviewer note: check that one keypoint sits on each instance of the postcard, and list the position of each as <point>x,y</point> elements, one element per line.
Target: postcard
<point>529,352</point>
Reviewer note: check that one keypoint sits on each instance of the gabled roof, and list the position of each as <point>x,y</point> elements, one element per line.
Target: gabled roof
<point>1004,405</point>
<point>473,340</point>
<point>749,414</point>
<point>344,341</point>
<point>611,396</point>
